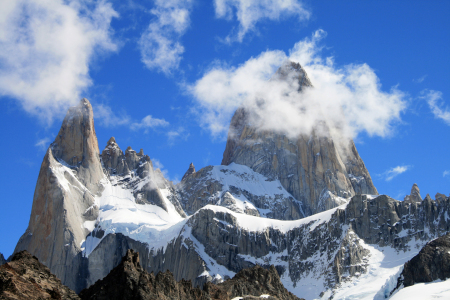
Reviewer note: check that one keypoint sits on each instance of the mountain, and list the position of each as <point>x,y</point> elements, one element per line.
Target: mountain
<point>313,168</point>
<point>309,209</point>
<point>64,207</point>
<point>26,278</point>
<point>130,281</point>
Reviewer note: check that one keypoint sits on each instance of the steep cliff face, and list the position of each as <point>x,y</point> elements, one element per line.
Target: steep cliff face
<point>312,167</point>
<point>64,208</point>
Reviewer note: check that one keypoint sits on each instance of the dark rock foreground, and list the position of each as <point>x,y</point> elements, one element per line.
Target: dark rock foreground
<point>430,264</point>
<point>130,281</point>
<point>26,278</point>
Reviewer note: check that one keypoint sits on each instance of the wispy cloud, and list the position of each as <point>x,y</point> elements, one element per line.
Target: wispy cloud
<point>106,117</point>
<point>160,44</point>
<point>46,48</point>
<point>394,172</point>
<point>249,13</point>
<point>349,98</point>
<point>149,122</point>
<point>421,79</point>
<point>43,143</point>
<point>446,173</point>
<point>179,133</point>
<point>434,100</point>
<point>158,165</point>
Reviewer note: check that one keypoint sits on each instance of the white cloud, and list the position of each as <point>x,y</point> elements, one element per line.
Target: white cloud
<point>43,143</point>
<point>179,133</point>
<point>446,172</point>
<point>390,174</point>
<point>249,13</point>
<point>46,47</point>
<point>433,99</point>
<point>160,44</point>
<point>149,122</point>
<point>347,98</point>
<point>158,165</point>
<point>421,79</point>
<point>106,117</point>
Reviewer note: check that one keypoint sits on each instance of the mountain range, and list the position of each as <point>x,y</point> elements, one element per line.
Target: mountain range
<point>306,205</point>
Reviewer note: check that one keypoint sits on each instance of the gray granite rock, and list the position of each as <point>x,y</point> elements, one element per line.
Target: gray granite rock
<point>63,201</point>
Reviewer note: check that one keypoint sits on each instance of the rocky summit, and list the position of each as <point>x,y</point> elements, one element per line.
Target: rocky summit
<point>305,205</point>
<point>26,278</point>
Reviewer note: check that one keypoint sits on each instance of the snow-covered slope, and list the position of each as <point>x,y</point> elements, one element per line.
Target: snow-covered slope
<point>240,189</point>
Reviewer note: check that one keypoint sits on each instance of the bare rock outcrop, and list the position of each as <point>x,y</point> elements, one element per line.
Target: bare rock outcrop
<point>430,264</point>
<point>414,197</point>
<point>2,259</point>
<point>26,278</point>
<point>191,170</point>
<point>63,204</point>
<point>314,168</point>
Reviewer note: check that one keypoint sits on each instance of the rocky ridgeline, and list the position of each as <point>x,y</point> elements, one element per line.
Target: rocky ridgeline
<point>227,185</point>
<point>313,168</point>
<point>26,278</point>
<point>135,171</point>
<point>130,281</point>
<point>2,259</point>
<point>332,251</point>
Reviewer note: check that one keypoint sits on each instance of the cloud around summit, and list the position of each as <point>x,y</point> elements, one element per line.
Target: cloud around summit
<point>348,98</point>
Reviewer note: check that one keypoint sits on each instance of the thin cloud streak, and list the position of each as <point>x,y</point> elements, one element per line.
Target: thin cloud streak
<point>434,99</point>
<point>249,13</point>
<point>394,172</point>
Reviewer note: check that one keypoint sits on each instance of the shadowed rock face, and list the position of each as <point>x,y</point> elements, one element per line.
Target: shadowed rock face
<point>310,167</point>
<point>130,281</point>
<point>26,278</point>
<point>432,263</point>
<point>2,259</point>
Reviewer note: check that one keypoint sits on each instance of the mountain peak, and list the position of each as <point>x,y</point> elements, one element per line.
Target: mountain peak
<point>191,170</point>
<point>76,143</point>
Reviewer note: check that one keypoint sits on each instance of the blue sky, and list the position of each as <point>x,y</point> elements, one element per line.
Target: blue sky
<point>166,76</point>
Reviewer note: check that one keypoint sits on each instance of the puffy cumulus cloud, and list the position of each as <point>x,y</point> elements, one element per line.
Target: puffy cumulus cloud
<point>434,100</point>
<point>394,172</point>
<point>249,13</point>
<point>149,122</point>
<point>348,99</point>
<point>46,47</point>
<point>159,44</point>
